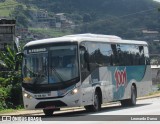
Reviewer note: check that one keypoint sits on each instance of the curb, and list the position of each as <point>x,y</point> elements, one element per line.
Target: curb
<point>149,97</point>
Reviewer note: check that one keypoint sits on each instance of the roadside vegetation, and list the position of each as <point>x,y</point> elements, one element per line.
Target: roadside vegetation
<point>49,32</point>
<point>154,93</point>
<point>6,7</point>
<point>10,80</point>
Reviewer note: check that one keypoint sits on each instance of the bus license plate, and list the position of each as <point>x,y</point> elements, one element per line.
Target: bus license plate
<point>41,95</point>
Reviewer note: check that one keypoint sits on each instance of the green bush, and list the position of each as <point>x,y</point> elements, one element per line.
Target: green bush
<point>10,92</point>
<point>4,95</point>
<point>10,80</point>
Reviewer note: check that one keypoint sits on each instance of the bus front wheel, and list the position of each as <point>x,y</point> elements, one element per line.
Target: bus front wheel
<point>96,105</point>
<point>48,112</point>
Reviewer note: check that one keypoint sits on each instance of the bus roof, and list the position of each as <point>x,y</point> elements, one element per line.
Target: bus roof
<point>86,37</point>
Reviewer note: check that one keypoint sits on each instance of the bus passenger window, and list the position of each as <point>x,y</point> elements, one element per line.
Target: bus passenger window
<point>141,53</point>
<point>106,53</point>
<point>146,55</point>
<point>115,54</point>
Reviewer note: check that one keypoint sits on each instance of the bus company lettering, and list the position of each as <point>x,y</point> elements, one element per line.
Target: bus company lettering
<point>120,77</point>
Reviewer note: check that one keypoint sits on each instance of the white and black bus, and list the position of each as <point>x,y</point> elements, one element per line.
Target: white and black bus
<point>84,70</point>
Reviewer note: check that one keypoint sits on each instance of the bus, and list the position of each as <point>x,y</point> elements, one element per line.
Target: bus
<point>84,70</point>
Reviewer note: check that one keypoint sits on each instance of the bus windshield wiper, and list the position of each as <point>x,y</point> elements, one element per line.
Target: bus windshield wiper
<point>57,74</point>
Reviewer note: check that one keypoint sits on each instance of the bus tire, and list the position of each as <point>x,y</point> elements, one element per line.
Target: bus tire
<point>48,112</point>
<point>132,100</point>
<point>96,105</point>
<point>124,103</point>
<point>88,108</point>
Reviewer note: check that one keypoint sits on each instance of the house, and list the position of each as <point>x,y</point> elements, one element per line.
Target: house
<point>63,22</point>
<point>41,19</point>
<point>7,32</point>
<point>150,36</point>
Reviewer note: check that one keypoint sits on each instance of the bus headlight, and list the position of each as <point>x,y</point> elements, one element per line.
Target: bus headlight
<point>74,91</point>
<point>26,95</point>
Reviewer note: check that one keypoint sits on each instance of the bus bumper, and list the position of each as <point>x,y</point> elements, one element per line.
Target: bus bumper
<point>69,100</point>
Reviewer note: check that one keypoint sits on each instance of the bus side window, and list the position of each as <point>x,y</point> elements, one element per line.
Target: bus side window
<point>134,51</point>
<point>82,59</point>
<point>146,55</point>
<point>93,50</point>
<point>84,62</point>
<point>124,55</point>
<point>105,54</point>
<point>114,55</point>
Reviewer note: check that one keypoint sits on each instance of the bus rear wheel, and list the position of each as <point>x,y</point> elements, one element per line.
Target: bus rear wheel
<point>132,100</point>
<point>48,112</point>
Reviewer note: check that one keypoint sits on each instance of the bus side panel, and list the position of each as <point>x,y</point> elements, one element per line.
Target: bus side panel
<point>145,86</point>
<point>124,76</point>
<point>98,78</point>
<point>116,81</point>
<point>107,86</point>
<point>87,91</point>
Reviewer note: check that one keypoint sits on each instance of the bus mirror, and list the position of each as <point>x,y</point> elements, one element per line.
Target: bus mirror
<point>18,60</point>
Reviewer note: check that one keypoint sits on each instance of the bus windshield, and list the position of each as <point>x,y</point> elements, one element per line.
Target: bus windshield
<point>57,64</point>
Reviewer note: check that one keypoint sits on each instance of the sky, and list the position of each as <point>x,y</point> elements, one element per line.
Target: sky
<point>157,0</point>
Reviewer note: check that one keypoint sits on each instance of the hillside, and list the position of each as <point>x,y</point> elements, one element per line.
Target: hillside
<point>113,7</point>
<point>120,17</point>
<point>6,7</point>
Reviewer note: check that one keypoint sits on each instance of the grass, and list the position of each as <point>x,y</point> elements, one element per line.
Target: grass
<point>18,108</point>
<point>9,110</point>
<point>50,32</point>
<point>154,93</point>
<point>7,7</point>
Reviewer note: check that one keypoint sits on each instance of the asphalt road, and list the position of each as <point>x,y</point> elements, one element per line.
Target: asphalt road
<point>114,112</point>
<point>147,110</point>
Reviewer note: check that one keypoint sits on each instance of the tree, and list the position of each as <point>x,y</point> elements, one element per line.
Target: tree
<point>86,18</point>
<point>10,80</point>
